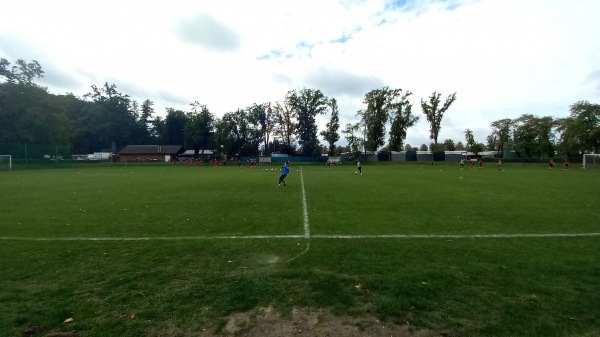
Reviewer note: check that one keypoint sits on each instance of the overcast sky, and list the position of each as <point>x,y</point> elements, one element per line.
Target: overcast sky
<point>503,58</point>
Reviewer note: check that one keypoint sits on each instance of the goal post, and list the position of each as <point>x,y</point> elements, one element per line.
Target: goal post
<point>591,160</point>
<point>5,162</point>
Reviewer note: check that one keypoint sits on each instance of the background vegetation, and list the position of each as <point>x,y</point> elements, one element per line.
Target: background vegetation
<point>107,119</point>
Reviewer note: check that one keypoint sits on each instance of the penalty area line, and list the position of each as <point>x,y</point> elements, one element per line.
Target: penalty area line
<point>267,237</point>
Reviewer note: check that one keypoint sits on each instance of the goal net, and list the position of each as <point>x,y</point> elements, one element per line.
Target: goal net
<point>264,160</point>
<point>5,162</point>
<point>334,160</point>
<point>591,160</point>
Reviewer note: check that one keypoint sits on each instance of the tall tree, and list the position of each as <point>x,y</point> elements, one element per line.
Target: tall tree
<point>375,117</point>
<point>353,138</point>
<point>470,139</point>
<point>306,105</point>
<point>434,113</point>
<point>198,130</point>
<point>402,119</point>
<point>284,128</point>
<point>144,122</point>
<point>500,134</point>
<point>174,125</point>
<point>580,132</point>
<point>330,134</point>
<point>113,122</point>
<point>262,115</point>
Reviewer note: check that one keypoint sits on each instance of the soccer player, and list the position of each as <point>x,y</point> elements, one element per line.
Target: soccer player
<point>551,164</point>
<point>472,163</point>
<point>358,167</point>
<point>285,169</point>
<point>480,164</point>
<point>566,164</point>
<point>462,164</point>
<point>499,164</point>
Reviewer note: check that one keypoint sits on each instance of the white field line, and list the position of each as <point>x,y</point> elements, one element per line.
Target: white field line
<point>267,237</point>
<point>304,207</point>
<point>305,215</point>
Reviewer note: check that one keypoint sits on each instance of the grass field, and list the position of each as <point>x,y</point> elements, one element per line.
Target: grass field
<point>169,251</point>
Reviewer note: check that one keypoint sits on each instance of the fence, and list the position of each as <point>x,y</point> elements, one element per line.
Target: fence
<point>26,156</point>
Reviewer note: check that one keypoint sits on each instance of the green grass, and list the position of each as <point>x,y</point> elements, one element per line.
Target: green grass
<point>188,274</point>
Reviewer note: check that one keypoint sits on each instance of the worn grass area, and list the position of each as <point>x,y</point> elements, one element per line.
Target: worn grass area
<point>188,274</point>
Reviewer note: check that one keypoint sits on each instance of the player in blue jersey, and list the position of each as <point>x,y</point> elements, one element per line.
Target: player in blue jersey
<point>285,169</point>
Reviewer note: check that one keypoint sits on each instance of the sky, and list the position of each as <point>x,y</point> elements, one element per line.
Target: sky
<point>503,58</point>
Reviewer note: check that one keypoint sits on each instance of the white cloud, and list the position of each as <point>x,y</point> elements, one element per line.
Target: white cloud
<point>502,57</point>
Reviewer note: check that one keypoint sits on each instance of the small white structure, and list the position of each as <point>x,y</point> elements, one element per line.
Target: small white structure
<point>334,160</point>
<point>264,160</point>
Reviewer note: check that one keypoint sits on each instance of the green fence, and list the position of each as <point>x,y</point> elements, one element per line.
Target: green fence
<point>29,156</point>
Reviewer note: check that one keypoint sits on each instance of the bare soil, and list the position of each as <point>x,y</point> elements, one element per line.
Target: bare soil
<point>306,322</point>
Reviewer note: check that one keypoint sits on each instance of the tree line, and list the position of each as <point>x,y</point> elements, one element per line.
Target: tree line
<point>106,119</point>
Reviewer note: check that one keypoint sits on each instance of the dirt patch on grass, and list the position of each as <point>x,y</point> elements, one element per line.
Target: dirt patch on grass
<point>305,322</point>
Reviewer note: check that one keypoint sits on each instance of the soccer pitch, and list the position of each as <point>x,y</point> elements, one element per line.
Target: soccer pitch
<point>166,251</point>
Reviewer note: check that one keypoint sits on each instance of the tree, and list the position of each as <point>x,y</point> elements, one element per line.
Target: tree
<point>144,122</point>
<point>434,113</point>
<point>330,134</point>
<point>305,106</point>
<point>351,133</point>
<point>581,130</point>
<point>449,145</point>
<point>470,139</point>
<point>262,115</point>
<point>23,73</point>
<point>243,134</point>
<point>423,147</point>
<point>402,118</point>
<point>460,146</point>
<point>500,135</point>
<point>174,127</point>
<point>375,117</point>
<point>532,136</point>
<point>472,145</point>
<point>112,121</point>
<point>199,129</point>
<point>284,127</point>
<point>158,130</point>
<point>382,105</point>
<point>407,147</point>
<point>29,114</point>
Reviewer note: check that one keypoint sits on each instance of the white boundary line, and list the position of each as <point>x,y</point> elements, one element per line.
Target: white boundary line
<point>304,207</point>
<point>342,237</point>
